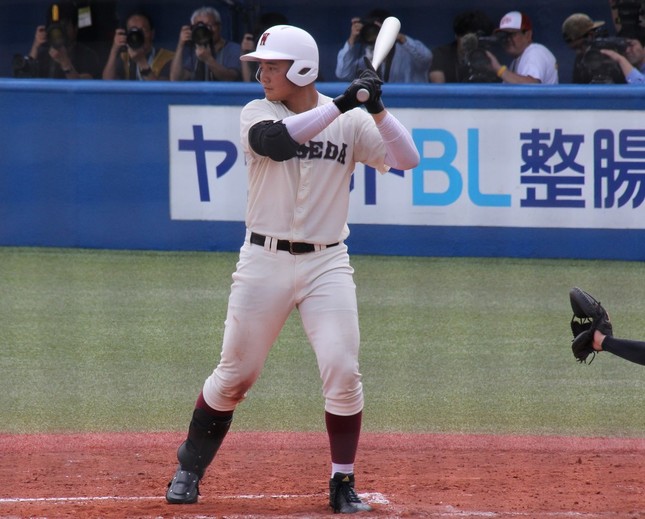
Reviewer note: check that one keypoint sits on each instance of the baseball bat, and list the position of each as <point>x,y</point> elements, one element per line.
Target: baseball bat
<point>385,40</point>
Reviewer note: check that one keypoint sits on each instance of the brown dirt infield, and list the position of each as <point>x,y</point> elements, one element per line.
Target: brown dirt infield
<point>276,475</point>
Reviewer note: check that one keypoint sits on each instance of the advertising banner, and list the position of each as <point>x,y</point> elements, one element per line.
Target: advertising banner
<point>496,168</point>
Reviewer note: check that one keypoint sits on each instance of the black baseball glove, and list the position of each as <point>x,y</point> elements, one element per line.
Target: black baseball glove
<point>588,316</point>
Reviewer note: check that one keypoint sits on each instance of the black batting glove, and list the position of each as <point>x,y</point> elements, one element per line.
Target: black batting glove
<point>368,70</point>
<point>374,105</point>
<point>347,100</point>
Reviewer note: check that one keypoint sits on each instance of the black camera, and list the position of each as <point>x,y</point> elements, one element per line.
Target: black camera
<point>135,38</point>
<point>369,31</point>
<point>596,68</point>
<point>202,34</point>
<point>24,66</point>
<point>475,59</point>
<point>614,43</point>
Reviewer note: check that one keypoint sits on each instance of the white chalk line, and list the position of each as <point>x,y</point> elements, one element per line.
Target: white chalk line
<point>374,498</point>
<point>454,512</point>
<point>447,511</point>
<point>451,512</point>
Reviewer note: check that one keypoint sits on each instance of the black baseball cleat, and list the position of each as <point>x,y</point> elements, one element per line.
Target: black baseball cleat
<point>183,489</point>
<point>342,496</point>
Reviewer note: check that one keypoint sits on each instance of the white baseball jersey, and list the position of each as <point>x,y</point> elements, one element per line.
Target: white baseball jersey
<point>307,199</point>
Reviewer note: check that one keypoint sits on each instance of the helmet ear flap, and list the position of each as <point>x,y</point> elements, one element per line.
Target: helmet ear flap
<point>302,72</point>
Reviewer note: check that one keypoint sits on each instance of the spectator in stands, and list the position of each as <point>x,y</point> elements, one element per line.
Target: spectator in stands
<point>202,54</point>
<point>55,53</point>
<point>250,41</point>
<point>408,62</point>
<point>450,61</point>
<point>532,62</point>
<point>590,66</point>
<point>632,64</point>
<point>133,55</point>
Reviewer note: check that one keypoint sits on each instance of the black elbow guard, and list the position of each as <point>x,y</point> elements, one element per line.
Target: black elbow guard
<point>271,139</point>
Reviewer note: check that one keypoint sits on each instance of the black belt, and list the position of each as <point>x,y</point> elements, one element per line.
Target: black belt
<point>294,247</point>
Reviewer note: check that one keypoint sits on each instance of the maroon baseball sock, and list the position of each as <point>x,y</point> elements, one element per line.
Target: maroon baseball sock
<point>343,432</point>
<point>201,404</point>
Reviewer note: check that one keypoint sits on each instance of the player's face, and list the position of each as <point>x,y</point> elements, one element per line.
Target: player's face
<point>273,77</point>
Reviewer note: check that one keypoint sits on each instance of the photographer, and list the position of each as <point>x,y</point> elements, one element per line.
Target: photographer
<point>532,62</point>
<point>585,37</point>
<point>632,63</point>
<point>628,21</point>
<point>408,61</point>
<point>55,53</point>
<point>133,55</point>
<point>451,63</point>
<point>202,54</point>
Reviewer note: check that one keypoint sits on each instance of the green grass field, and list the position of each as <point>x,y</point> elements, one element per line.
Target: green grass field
<point>122,341</point>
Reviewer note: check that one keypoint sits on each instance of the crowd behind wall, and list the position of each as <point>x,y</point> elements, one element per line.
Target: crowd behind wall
<point>429,21</point>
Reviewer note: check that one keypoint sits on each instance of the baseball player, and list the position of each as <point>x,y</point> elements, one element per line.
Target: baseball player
<point>301,148</point>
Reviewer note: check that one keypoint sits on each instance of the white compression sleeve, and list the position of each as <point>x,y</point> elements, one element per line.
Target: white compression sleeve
<point>307,125</point>
<point>400,151</point>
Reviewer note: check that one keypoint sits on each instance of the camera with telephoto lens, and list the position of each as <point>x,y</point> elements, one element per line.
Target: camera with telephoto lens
<point>135,38</point>
<point>202,34</point>
<point>475,59</point>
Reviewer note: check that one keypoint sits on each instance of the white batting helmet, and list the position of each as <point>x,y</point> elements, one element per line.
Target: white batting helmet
<point>286,42</point>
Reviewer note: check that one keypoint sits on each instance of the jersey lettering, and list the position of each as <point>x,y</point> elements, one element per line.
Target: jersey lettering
<point>323,150</point>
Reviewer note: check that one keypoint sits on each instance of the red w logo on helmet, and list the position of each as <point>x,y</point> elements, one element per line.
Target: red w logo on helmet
<point>264,38</point>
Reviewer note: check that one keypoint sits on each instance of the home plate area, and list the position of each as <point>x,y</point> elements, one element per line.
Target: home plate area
<point>275,475</point>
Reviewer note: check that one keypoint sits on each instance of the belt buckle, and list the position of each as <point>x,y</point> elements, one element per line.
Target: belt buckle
<point>291,251</point>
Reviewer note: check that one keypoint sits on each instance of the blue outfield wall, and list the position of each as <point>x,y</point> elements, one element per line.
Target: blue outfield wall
<point>86,164</point>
